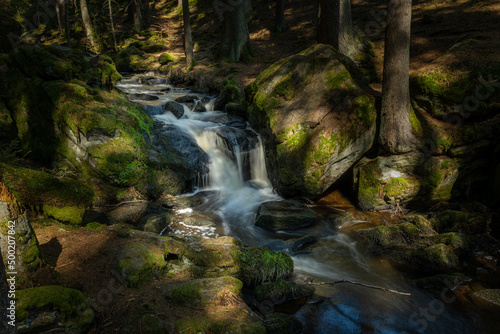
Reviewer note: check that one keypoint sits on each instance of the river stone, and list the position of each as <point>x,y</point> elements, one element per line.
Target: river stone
<point>314,119</point>
<point>175,108</point>
<point>488,299</point>
<point>199,107</point>
<point>284,215</point>
<point>187,98</point>
<point>466,222</point>
<point>157,222</point>
<point>143,97</point>
<point>412,178</point>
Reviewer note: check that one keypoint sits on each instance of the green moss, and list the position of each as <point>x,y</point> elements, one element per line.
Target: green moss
<point>336,80</point>
<point>415,123</point>
<point>396,186</point>
<point>257,265</point>
<point>68,214</point>
<point>71,305</point>
<point>166,58</point>
<point>31,255</point>
<point>140,263</point>
<point>186,294</point>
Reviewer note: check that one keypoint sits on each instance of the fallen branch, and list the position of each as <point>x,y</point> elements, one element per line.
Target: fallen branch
<point>361,284</point>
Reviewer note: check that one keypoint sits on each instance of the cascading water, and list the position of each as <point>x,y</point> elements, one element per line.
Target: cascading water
<point>236,184</point>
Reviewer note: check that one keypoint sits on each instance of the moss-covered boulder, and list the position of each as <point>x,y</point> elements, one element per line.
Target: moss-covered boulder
<point>465,222</point>
<point>232,321</point>
<point>381,238</point>
<point>412,178</point>
<point>133,59</point>
<point>284,215</point>
<point>156,223</point>
<point>270,294</point>
<point>35,307</point>
<point>138,263</point>
<point>166,58</point>
<point>314,119</point>
<point>14,223</point>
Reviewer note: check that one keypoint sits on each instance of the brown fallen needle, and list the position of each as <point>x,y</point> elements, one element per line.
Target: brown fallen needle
<point>361,284</point>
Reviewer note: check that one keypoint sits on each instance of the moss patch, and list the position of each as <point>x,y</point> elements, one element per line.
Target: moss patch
<point>68,214</point>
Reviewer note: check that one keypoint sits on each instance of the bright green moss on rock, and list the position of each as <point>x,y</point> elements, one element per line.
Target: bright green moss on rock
<point>70,304</point>
<point>166,58</point>
<point>430,259</point>
<point>140,263</point>
<point>281,290</point>
<point>67,214</point>
<point>186,293</point>
<point>257,265</point>
<point>234,321</point>
<point>31,254</point>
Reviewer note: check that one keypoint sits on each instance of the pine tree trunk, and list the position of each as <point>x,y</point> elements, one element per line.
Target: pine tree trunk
<point>279,25</point>
<point>396,133</point>
<point>137,16</point>
<point>335,26</point>
<point>188,41</point>
<point>66,23</point>
<point>147,15</point>
<point>89,30</point>
<point>59,5</point>
<point>115,46</point>
<point>235,43</point>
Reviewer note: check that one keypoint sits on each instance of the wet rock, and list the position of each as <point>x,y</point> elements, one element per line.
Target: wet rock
<point>187,98</point>
<point>175,108</point>
<point>284,215</point>
<point>52,308</point>
<point>312,131</point>
<point>430,259</point>
<point>139,263</point>
<point>199,107</point>
<point>299,244</point>
<point>270,294</point>
<point>381,238</point>
<point>152,110</point>
<point>280,323</point>
<point>156,223</point>
<point>340,219</point>
<point>424,225</point>
<point>143,97</point>
<point>488,299</point>
<point>129,212</point>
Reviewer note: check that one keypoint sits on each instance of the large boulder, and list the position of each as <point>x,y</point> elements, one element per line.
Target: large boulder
<point>52,308</point>
<point>284,215</point>
<point>138,263</point>
<point>412,178</point>
<point>314,119</point>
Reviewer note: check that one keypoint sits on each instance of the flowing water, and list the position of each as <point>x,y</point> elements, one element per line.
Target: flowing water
<point>236,184</point>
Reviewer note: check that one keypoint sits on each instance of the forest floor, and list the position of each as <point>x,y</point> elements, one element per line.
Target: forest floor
<point>454,35</point>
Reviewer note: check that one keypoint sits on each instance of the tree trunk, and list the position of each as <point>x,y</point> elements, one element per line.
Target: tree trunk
<point>137,16</point>
<point>235,43</point>
<point>335,26</point>
<point>66,23</point>
<point>279,24</point>
<point>59,6</point>
<point>89,30</point>
<point>396,133</point>
<point>147,15</point>
<point>188,41</point>
<point>115,46</point>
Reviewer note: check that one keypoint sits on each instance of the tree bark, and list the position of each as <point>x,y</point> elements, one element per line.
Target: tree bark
<point>115,46</point>
<point>138,23</point>
<point>147,14</point>
<point>279,24</point>
<point>59,6</point>
<point>66,23</point>
<point>335,26</point>
<point>89,30</point>
<point>235,43</point>
<point>188,40</point>
<point>396,133</point>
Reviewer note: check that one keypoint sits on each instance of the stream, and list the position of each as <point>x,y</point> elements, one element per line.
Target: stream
<point>235,185</point>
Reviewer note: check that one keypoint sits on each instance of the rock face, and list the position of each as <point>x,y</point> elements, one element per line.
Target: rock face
<point>175,108</point>
<point>414,178</point>
<point>27,255</point>
<point>314,119</point>
<point>284,215</point>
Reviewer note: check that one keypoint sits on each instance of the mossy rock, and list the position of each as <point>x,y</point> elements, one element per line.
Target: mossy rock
<point>68,214</point>
<point>488,299</point>
<point>314,119</point>
<point>430,259</point>
<point>156,223</point>
<point>230,92</point>
<point>71,305</point>
<point>466,222</point>
<point>7,129</point>
<point>140,263</point>
<point>441,281</point>
<point>280,291</point>
<point>166,58</point>
<point>257,265</point>
<point>422,223</point>
<point>205,292</point>
<point>381,238</point>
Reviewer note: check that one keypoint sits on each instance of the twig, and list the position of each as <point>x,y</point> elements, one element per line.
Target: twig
<point>361,284</point>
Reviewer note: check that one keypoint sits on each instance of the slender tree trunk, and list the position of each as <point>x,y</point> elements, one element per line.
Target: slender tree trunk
<point>138,23</point>
<point>235,37</point>
<point>147,15</point>
<point>279,24</point>
<point>396,133</point>
<point>179,3</point>
<point>66,23</point>
<point>335,26</point>
<point>59,6</point>
<point>88,27</point>
<point>188,40</point>
<point>115,46</point>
